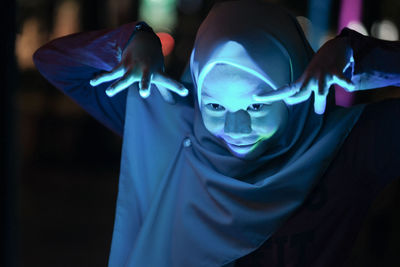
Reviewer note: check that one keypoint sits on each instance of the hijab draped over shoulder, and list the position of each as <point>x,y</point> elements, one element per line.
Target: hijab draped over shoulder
<point>183,199</point>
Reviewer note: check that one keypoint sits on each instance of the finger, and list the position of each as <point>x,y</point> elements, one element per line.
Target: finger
<point>319,103</point>
<point>169,83</point>
<point>165,93</point>
<point>322,84</point>
<point>298,98</point>
<point>276,95</point>
<point>304,92</point>
<point>128,79</point>
<point>146,79</point>
<point>116,73</point>
<point>144,85</point>
<point>321,93</point>
<point>341,80</point>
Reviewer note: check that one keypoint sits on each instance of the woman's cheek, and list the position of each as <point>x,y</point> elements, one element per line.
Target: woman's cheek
<point>214,124</point>
<point>264,126</point>
<point>270,123</point>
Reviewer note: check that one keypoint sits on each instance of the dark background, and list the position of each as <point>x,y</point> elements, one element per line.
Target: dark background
<point>60,167</point>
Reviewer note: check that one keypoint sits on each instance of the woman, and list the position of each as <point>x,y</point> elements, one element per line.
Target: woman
<point>243,160</point>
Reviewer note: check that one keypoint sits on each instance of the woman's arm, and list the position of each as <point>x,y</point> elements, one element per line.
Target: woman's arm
<point>376,62</point>
<point>70,62</point>
<point>94,67</point>
<point>352,61</point>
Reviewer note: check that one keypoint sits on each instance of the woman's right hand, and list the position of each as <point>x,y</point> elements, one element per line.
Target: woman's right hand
<point>325,69</point>
<point>141,61</point>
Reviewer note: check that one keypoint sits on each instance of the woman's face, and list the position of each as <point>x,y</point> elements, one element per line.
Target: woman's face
<point>230,113</point>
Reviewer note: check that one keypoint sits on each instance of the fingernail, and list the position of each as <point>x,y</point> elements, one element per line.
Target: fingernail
<point>184,92</point>
<point>144,93</point>
<point>110,92</point>
<point>319,109</point>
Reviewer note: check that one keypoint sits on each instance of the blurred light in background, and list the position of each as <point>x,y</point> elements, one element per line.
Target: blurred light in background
<point>27,42</point>
<point>119,11</point>
<point>319,12</point>
<point>349,16</point>
<point>161,15</point>
<point>385,30</point>
<point>306,26</point>
<point>66,20</point>
<point>189,6</point>
<point>357,26</point>
<point>350,11</point>
<point>167,42</point>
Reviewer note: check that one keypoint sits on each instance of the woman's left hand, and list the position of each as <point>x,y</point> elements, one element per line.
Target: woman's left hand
<point>325,69</point>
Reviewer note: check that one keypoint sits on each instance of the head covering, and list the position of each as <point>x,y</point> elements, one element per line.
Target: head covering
<point>266,41</point>
<point>183,199</point>
<point>254,37</point>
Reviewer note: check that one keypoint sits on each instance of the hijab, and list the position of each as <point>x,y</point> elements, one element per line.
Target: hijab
<point>183,199</point>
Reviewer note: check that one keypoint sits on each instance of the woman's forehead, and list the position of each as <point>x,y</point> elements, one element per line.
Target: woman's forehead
<point>226,70</point>
<point>239,82</point>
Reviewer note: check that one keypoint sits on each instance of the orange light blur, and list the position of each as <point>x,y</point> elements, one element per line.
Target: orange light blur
<point>167,42</point>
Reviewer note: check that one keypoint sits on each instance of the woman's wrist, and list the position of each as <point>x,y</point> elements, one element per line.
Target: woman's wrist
<point>140,27</point>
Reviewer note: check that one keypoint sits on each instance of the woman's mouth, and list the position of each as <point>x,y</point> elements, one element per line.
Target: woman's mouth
<point>241,148</point>
<point>240,145</point>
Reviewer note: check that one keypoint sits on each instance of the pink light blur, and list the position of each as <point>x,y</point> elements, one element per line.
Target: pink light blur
<point>350,10</point>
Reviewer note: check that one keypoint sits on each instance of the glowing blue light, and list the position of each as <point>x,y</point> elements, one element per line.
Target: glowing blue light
<point>319,102</point>
<point>107,77</point>
<point>180,91</point>
<point>144,93</point>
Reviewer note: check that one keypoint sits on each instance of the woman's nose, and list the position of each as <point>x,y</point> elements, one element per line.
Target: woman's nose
<point>238,122</point>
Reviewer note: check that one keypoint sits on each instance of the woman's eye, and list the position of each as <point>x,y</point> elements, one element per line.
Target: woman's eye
<point>215,107</point>
<point>255,107</point>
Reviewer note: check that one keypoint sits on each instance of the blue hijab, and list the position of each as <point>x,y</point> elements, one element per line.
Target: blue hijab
<point>183,199</point>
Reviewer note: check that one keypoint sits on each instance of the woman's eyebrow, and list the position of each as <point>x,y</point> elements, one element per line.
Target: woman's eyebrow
<point>209,97</point>
<point>264,86</point>
<point>205,94</point>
